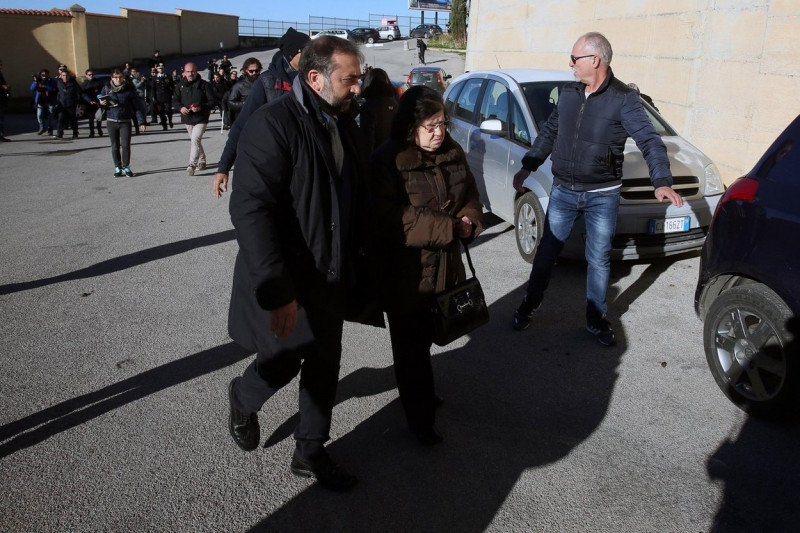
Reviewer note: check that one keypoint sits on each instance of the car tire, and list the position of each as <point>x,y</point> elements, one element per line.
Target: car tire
<point>390,38</point>
<point>751,353</point>
<point>528,225</point>
<point>370,40</point>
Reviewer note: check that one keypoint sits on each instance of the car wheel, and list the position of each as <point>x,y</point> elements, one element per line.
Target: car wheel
<point>370,40</point>
<point>528,225</point>
<point>390,38</point>
<point>748,350</point>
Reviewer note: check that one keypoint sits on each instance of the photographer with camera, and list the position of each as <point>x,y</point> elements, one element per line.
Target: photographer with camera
<point>45,94</point>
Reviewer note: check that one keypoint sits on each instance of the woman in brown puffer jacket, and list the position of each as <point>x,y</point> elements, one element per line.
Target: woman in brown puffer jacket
<point>425,203</point>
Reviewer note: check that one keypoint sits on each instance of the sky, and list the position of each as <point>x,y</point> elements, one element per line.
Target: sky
<point>280,10</point>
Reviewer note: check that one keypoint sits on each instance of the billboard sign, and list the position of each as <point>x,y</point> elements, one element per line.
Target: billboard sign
<point>430,5</point>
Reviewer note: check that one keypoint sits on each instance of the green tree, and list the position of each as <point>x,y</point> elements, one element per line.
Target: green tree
<point>458,21</point>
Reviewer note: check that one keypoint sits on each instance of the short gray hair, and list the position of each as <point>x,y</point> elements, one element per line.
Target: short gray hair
<point>598,43</point>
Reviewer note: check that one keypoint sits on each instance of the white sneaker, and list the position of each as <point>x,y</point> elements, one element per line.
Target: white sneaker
<point>190,170</point>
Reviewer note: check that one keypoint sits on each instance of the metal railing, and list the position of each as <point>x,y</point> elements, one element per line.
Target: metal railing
<point>276,28</point>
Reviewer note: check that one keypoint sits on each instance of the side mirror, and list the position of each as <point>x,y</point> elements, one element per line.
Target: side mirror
<point>494,126</point>
<point>447,76</point>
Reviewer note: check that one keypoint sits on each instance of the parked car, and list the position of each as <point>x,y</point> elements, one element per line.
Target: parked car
<point>389,33</point>
<point>495,116</point>
<point>344,34</point>
<point>365,35</point>
<point>426,30</point>
<point>434,77</point>
<point>748,290</point>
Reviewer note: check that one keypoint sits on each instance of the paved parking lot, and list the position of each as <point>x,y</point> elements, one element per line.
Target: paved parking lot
<point>114,361</point>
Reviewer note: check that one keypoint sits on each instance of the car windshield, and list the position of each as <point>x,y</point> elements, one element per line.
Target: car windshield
<point>542,97</point>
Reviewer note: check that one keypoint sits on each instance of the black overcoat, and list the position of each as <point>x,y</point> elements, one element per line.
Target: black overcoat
<point>286,210</point>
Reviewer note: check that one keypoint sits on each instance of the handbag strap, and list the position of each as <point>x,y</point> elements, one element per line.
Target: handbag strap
<point>469,259</point>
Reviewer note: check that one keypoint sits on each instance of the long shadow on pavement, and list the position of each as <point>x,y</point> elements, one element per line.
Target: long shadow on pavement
<point>514,401</point>
<point>76,411</point>
<point>124,261</point>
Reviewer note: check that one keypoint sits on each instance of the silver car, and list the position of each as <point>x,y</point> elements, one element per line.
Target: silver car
<point>495,116</point>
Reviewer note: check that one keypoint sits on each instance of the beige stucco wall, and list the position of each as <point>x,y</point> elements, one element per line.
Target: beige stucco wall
<point>725,74</point>
<point>30,41</point>
<point>198,30</point>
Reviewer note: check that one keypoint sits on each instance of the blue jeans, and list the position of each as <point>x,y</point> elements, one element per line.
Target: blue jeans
<point>600,212</point>
<point>46,116</point>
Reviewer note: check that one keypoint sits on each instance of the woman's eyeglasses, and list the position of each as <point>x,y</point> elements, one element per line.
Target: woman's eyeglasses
<point>431,128</point>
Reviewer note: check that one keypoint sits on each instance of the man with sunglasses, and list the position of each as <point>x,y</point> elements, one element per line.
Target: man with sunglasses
<point>585,138</point>
<point>240,90</point>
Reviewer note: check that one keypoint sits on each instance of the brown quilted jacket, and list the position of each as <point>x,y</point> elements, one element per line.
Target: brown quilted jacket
<point>417,198</point>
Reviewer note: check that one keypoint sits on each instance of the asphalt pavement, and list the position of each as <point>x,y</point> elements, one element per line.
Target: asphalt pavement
<point>115,358</point>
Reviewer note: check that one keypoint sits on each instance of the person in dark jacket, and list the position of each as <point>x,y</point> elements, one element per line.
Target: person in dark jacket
<point>70,94</point>
<point>297,209</point>
<point>221,88</point>
<point>421,47</point>
<point>122,103</point>
<point>241,89</point>
<point>379,108</point>
<point>272,83</point>
<point>585,138</point>
<point>425,202</point>
<point>195,100</point>
<point>162,89</point>
<point>4,94</point>
<point>45,97</point>
<point>92,87</point>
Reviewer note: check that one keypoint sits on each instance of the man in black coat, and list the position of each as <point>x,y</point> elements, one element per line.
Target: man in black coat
<point>298,207</point>
<point>194,99</point>
<point>92,87</point>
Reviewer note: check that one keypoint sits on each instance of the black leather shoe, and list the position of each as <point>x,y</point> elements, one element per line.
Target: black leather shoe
<point>325,471</point>
<point>244,428</point>
<point>428,436</point>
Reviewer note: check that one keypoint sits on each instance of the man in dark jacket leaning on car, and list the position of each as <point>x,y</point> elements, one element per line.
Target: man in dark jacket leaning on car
<point>298,208</point>
<point>585,138</point>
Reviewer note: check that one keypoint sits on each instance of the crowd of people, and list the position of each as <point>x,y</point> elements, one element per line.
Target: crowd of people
<point>344,212</point>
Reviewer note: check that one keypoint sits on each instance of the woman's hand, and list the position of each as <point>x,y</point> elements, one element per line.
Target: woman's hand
<point>463,227</point>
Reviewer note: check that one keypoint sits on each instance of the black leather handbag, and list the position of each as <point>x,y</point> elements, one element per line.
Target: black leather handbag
<point>459,310</point>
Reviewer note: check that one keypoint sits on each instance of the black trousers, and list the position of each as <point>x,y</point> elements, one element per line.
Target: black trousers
<point>164,112</point>
<point>67,119</point>
<point>313,350</point>
<point>412,337</point>
<point>120,135</point>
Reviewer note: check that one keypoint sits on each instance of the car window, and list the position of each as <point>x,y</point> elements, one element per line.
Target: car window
<point>519,127</point>
<point>451,97</point>
<point>494,103</point>
<point>542,98</point>
<point>465,105</point>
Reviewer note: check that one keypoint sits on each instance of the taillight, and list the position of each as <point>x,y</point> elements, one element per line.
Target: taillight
<point>439,76</point>
<point>743,189</point>
<point>408,81</point>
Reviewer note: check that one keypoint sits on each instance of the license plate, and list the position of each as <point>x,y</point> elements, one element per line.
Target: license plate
<point>669,225</point>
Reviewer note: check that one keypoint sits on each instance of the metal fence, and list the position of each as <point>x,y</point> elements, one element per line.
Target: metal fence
<point>276,28</point>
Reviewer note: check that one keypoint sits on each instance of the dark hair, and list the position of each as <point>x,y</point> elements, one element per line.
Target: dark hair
<point>318,54</point>
<point>251,61</point>
<point>417,103</point>
<point>377,84</point>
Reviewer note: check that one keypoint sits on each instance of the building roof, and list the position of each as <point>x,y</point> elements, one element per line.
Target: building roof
<point>51,13</point>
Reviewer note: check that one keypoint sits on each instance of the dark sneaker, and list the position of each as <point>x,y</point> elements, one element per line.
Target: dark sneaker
<point>117,172</point>
<point>523,316</point>
<point>127,171</point>
<point>601,329</point>
<point>327,473</point>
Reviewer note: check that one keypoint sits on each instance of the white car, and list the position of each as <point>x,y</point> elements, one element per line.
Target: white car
<point>495,116</point>
<point>389,33</point>
<point>344,34</point>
